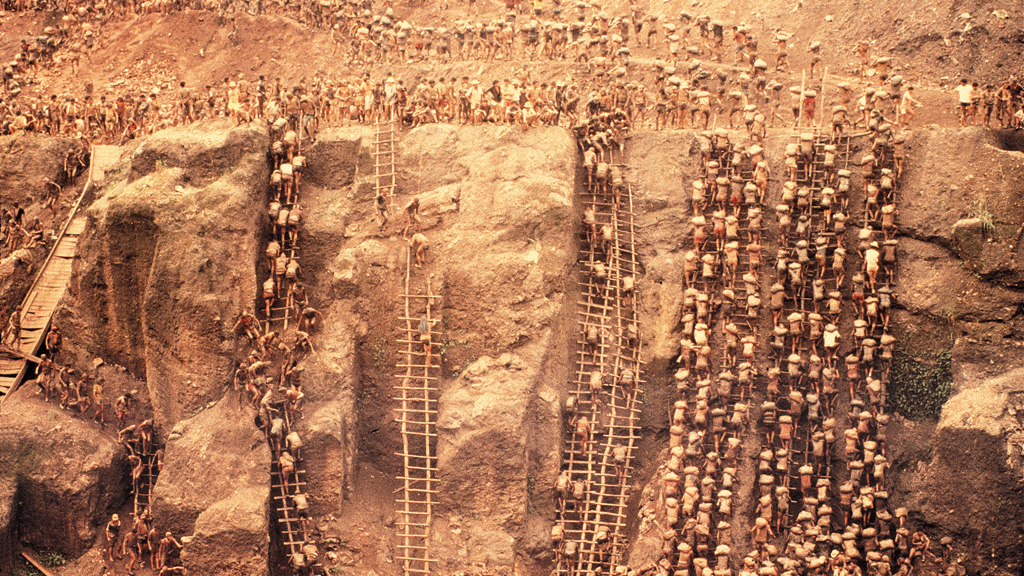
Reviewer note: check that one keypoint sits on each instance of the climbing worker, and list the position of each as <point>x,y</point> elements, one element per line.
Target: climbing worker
<point>418,245</point>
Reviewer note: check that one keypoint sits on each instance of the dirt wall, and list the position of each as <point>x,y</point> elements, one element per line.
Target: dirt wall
<point>168,263</point>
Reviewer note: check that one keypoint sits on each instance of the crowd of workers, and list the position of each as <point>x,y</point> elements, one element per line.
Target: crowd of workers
<point>80,391</point>
<point>269,379</point>
<point>691,81</point>
<point>797,413</point>
<point>693,75</point>
<point>978,104</point>
<point>820,509</point>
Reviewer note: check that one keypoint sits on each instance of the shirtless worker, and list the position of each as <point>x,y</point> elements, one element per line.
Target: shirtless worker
<point>301,503</point>
<point>907,105</point>
<point>136,465</point>
<point>269,291</point>
<point>52,195</point>
<point>418,245</point>
<point>97,396</point>
<point>307,319</point>
<point>412,217</point>
<point>165,549</point>
<point>145,432</point>
<point>130,546</point>
<point>249,324</point>
<point>121,406</point>
<point>294,443</point>
<point>53,342</point>
<point>14,329</point>
<point>287,462</point>
<point>381,204</point>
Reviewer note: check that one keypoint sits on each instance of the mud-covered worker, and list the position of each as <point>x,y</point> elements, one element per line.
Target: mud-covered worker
<point>53,342</point>
<point>145,432</point>
<point>46,371</point>
<point>113,532</point>
<point>308,318</point>
<point>419,244</point>
<point>299,298</point>
<point>287,463</point>
<point>907,105</point>
<point>276,424</point>
<point>167,544</point>
<point>619,454</point>
<point>301,503</point>
<point>412,217</point>
<point>248,323</point>
<point>273,253</point>
<point>583,432</point>
<point>135,463</point>
<point>97,396</point>
<point>381,205</point>
<point>293,443</point>
<point>425,326</point>
<point>590,221</point>
<point>52,192</point>
<point>278,272</point>
<point>309,549</point>
<point>14,329</point>
<point>292,271</point>
<point>131,547</point>
<point>294,224</point>
<point>269,291</point>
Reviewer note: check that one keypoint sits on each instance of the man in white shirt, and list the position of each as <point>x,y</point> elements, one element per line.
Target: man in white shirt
<point>964,92</point>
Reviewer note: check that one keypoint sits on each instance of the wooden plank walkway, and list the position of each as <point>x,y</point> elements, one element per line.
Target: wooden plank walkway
<point>39,304</point>
<point>51,282</point>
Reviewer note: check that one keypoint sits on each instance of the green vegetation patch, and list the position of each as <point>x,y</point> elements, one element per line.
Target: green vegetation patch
<point>919,386</point>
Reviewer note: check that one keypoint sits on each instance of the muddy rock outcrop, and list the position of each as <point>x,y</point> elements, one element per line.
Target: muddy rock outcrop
<point>328,415</point>
<point>215,489</point>
<point>971,204</point>
<point>663,223</point>
<point>26,160</point>
<point>502,250</point>
<point>69,478</point>
<point>975,469</point>
<point>169,262</point>
<point>16,274</point>
<point>483,427</point>
<point>218,456</point>
<point>8,525</point>
<point>230,537</point>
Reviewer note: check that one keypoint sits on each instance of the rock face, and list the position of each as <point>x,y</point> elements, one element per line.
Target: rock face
<point>483,427</point>
<point>328,421</point>
<point>170,260</point>
<point>8,524</point>
<point>335,157</point>
<point>502,264</point>
<point>16,274</point>
<point>70,479</point>
<point>976,469</point>
<point>663,223</point>
<point>218,458</point>
<point>231,537</point>
<point>26,160</point>
<point>969,203</point>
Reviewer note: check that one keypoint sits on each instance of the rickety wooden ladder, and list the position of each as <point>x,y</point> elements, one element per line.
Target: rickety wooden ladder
<point>289,525</point>
<point>417,416</point>
<point>384,142</point>
<point>613,413</point>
